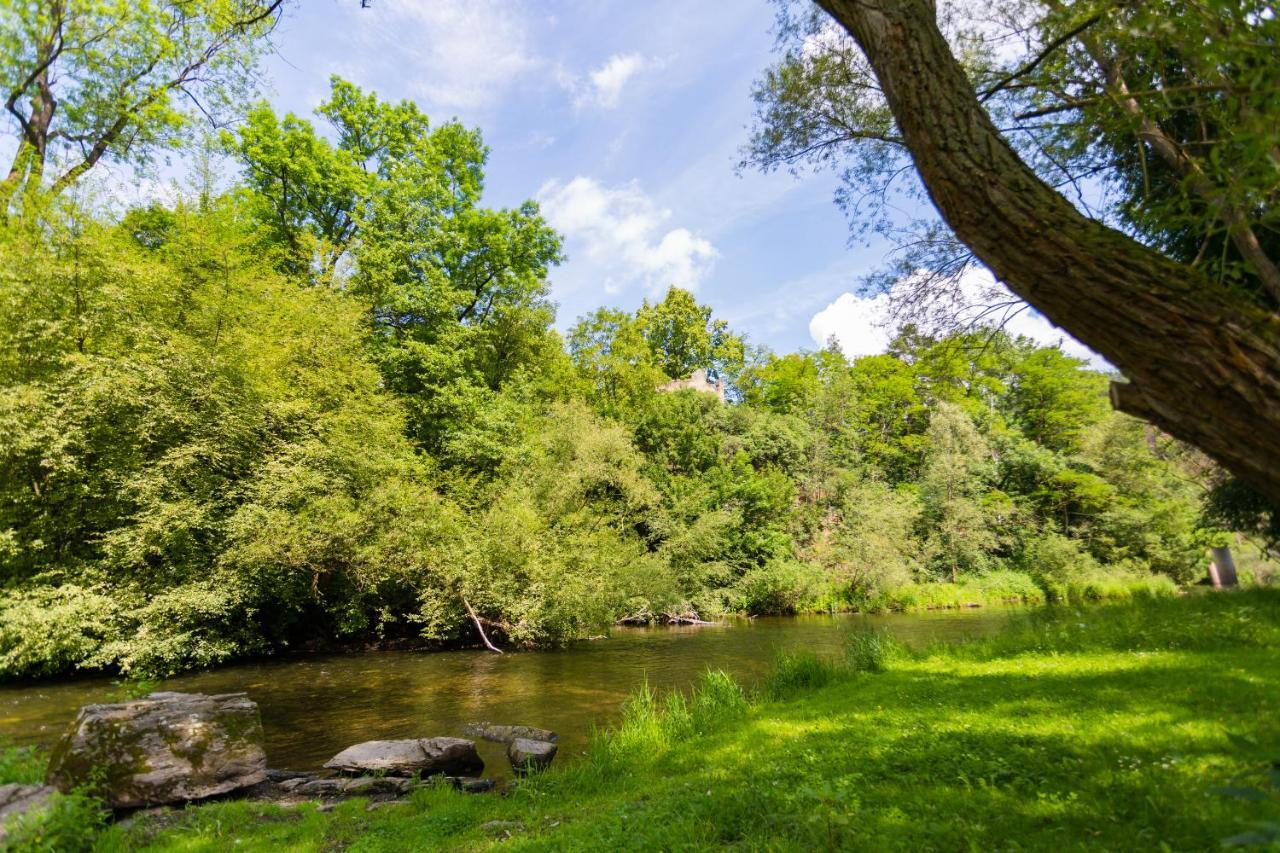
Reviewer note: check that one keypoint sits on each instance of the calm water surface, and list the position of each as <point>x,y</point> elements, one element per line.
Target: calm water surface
<point>313,707</point>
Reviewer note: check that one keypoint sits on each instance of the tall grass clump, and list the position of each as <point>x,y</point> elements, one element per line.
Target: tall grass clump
<point>652,723</point>
<point>872,651</point>
<point>21,764</point>
<point>988,588</point>
<point>795,671</point>
<point>1114,587</point>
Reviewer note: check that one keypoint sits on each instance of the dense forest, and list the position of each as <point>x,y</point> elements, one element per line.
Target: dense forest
<point>329,405</point>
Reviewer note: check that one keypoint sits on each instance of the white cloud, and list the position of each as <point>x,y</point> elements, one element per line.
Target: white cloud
<point>608,80</point>
<point>866,325</point>
<point>603,85</point>
<point>540,139</point>
<point>859,325</point>
<point>617,235</point>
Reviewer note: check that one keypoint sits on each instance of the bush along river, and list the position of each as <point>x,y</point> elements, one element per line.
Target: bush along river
<point>313,707</point>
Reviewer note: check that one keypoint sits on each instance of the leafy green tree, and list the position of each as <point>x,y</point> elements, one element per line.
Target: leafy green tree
<point>623,357</point>
<point>1053,400</point>
<point>456,293</point>
<point>957,470</point>
<point>84,81</point>
<point>614,361</point>
<point>683,337</point>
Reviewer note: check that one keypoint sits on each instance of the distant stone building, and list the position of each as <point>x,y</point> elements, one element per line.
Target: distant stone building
<point>698,381</point>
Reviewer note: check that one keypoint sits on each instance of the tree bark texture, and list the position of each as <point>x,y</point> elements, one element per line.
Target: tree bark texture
<point>1203,363</point>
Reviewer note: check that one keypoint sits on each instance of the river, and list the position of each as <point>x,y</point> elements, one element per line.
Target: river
<point>314,706</point>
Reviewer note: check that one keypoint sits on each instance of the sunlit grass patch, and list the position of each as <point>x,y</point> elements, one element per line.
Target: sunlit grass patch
<point>1102,728</point>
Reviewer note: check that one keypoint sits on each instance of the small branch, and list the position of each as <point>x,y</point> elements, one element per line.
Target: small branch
<point>476,619</point>
<point>1040,57</point>
<point>1077,103</point>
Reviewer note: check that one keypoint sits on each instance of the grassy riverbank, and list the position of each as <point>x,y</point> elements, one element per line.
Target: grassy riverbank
<point>1119,726</point>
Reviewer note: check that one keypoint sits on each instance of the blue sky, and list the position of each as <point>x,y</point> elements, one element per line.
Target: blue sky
<point>625,120</point>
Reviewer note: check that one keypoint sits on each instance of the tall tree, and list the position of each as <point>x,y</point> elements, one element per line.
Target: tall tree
<point>389,212</point>
<point>957,468</point>
<point>683,337</point>
<point>84,80</point>
<point>1201,360</point>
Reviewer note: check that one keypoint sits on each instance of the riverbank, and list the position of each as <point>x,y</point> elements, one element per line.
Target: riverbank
<point>1108,727</point>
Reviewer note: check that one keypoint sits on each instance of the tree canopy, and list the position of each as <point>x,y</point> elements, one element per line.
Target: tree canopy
<point>84,81</point>
<point>1166,107</point>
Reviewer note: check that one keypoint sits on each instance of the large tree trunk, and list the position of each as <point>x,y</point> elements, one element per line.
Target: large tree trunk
<point>1203,363</point>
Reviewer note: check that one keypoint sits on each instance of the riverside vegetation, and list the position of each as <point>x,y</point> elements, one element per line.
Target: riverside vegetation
<point>326,405</point>
<point>318,399</point>
<point>1134,725</point>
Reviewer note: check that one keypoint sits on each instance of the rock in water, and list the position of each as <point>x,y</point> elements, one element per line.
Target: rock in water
<point>506,734</point>
<point>530,755</point>
<point>451,756</point>
<point>19,800</point>
<point>166,748</point>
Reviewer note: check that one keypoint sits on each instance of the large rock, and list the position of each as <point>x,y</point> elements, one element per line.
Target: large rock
<point>166,748</point>
<point>19,800</point>
<point>530,755</point>
<point>506,734</point>
<point>451,756</point>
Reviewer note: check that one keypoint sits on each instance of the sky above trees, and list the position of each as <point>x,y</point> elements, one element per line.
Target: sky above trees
<point>626,122</point>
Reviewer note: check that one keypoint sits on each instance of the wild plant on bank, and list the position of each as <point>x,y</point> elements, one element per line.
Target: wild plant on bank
<point>871,651</point>
<point>797,671</point>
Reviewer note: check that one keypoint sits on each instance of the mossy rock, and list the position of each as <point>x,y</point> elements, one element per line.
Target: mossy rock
<point>166,748</point>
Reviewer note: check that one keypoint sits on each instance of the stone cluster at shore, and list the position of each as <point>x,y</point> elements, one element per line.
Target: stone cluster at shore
<point>174,748</point>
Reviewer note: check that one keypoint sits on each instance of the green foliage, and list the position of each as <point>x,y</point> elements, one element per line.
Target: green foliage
<point>23,765</point>
<point>1068,726</point>
<point>71,822</point>
<point>184,465</point>
<point>330,407</point>
<point>118,81</point>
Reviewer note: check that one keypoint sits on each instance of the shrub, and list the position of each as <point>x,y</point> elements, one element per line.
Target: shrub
<point>782,586</point>
<point>47,630</point>
<point>1054,561</point>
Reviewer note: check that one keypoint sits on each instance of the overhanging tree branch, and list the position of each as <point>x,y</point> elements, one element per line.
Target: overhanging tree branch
<point>1203,361</point>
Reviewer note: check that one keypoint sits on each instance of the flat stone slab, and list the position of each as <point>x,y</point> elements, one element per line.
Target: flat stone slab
<point>450,756</point>
<point>18,800</point>
<point>530,755</point>
<point>506,734</point>
<point>165,748</point>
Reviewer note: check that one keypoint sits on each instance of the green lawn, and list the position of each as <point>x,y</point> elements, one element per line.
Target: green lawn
<point>1103,728</point>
